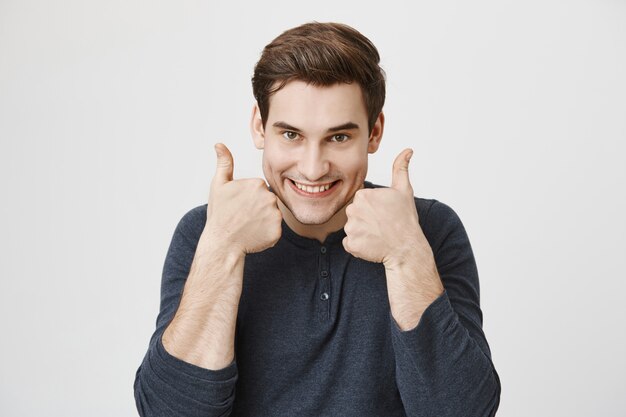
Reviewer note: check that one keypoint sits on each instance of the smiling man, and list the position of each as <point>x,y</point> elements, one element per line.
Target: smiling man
<point>323,294</point>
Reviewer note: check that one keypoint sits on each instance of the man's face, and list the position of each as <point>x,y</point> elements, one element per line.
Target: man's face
<point>316,136</point>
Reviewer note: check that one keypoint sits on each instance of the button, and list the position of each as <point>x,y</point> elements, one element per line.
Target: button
<point>323,249</point>
<point>324,296</point>
<point>324,274</point>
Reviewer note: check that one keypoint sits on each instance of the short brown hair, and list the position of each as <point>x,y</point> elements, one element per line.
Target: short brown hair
<point>321,54</point>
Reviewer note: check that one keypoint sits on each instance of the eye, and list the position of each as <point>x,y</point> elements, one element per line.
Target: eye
<point>289,135</point>
<point>341,137</point>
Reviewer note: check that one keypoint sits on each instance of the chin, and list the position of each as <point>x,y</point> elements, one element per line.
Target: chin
<point>312,219</point>
<point>312,216</point>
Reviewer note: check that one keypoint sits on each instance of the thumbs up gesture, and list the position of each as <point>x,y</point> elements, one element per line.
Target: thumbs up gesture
<point>383,225</point>
<point>242,214</point>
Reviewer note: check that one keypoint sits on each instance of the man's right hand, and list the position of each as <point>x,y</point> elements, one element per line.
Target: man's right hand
<point>242,217</point>
<point>242,214</point>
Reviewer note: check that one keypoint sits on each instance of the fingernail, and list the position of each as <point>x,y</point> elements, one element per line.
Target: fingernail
<point>408,156</point>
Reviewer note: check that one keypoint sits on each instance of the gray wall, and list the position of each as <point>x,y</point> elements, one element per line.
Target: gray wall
<point>108,116</point>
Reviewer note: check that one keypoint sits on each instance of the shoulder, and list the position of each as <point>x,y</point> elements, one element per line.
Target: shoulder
<point>193,221</point>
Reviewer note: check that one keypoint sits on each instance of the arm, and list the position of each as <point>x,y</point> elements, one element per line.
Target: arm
<point>443,364</point>
<point>189,368</point>
<point>202,331</point>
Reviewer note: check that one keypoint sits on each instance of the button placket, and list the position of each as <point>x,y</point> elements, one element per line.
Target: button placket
<point>324,287</point>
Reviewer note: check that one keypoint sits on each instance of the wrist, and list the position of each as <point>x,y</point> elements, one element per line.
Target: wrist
<point>402,259</point>
<point>216,266</point>
<point>212,243</point>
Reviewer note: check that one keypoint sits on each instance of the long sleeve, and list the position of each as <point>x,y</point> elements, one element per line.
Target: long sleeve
<point>165,385</point>
<point>443,366</point>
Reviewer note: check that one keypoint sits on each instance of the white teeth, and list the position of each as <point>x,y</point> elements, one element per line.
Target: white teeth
<point>312,190</point>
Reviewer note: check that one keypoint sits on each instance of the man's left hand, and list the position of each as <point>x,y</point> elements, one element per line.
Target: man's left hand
<point>383,226</point>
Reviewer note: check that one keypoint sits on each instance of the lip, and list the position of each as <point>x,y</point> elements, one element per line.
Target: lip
<point>313,195</point>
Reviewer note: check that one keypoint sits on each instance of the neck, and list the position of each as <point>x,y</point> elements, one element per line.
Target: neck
<point>314,231</point>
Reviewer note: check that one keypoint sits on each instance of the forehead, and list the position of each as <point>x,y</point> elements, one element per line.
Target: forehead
<point>310,107</point>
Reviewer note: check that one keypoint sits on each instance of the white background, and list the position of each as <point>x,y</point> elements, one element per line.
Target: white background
<point>108,115</point>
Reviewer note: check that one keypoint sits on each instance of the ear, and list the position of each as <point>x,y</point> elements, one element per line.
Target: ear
<point>377,134</point>
<point>256,127</point>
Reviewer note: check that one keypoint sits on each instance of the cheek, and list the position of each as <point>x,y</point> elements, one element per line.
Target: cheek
<point>353,164</point>
<point>274,161</point>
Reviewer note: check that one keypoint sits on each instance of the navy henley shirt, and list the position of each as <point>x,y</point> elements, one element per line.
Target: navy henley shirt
<point>315,335</point>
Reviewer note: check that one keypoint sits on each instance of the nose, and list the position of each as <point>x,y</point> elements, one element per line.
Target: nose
<point>313,164</point>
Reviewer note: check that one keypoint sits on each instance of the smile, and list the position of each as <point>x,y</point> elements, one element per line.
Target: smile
<point>319,190</point>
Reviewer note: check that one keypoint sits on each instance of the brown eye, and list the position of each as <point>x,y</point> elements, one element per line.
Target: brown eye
<point>340,138</point>
<point>290,135</point>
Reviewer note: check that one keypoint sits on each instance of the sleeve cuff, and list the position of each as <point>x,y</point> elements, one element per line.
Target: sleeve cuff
<point>185,383</point>
<point>192,371</point>
<point>437,317</point>
<point>166,385</point>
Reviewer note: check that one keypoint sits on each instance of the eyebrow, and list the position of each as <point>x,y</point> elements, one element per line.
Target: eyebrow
<point>345,126</point>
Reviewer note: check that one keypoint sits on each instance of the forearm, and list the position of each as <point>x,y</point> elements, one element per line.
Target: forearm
<point>413,283</point>
<point>443,362</point>
<point>202,331</point>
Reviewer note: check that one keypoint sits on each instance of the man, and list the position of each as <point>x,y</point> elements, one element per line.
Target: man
<point>324,294</point>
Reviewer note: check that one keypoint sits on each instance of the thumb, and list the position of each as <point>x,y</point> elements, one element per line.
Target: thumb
<point>400,174</point>
<point>225,165</point>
